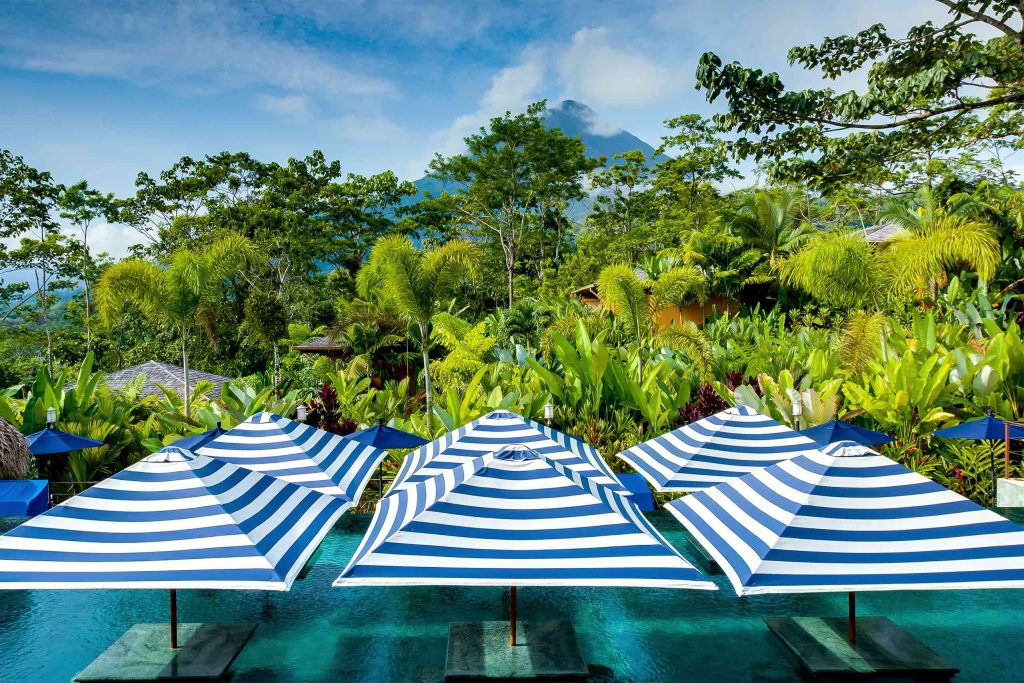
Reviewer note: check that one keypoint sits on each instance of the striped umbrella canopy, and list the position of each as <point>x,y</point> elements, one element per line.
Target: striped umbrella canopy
<point>719,448</point>
<point>298,453</point>
<point>849,519</point>
<point>515,517</point>
<point>193,442</point>
<point>491,432</point>
<point>172,520</point>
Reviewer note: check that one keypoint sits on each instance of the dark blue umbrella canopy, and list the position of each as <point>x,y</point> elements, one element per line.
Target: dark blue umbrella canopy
<point>385,437</point>
<point>986,428</point>
<point>837,430</point>
<point>197,441</point>
<point>50,441</point>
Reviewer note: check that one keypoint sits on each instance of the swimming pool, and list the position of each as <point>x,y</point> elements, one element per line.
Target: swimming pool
<point>316,632</point>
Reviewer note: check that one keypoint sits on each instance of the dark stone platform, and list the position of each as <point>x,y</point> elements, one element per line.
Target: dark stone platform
<point>545,650</point>
<point>144,654</point>
<point>883,650</point>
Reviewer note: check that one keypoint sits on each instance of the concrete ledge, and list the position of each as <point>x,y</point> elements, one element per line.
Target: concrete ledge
<point>883,650</point>
<point>546,650</point>
<point>144,654</point>
<point>1010,493</point>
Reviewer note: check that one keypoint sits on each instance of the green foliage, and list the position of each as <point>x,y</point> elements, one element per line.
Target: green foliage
<point>515,181</point>
<point>920,94</point>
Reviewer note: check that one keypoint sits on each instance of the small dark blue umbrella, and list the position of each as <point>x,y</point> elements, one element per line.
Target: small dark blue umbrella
<point>988,428</point>
<point>51,441</point>
<point>384,437</point>
<point>196,441</point>
<point>837,430</point>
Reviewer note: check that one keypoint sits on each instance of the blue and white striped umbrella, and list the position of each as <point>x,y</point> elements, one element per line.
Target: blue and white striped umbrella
<point>515,517</point>
<point>490,433</point>
<point>298,453</point>
<point>718,448</point>
<point>850,520</point>
<point>172,520</point>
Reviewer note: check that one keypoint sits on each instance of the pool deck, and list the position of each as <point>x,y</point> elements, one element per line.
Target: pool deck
<point>144,654</point>
<point>883,650</point>
<point>546,650</point>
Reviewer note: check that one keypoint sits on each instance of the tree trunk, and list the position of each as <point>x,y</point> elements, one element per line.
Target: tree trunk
<point>510,287</point>
<point>277,371</point>
<point>88,316</point>
<point>427,391</point>
<point>88,296</point>
<point>187,395</point>
<point>44,306</point>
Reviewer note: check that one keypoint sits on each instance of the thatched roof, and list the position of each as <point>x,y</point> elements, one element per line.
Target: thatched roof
<point>165,374</point>
<point>14,456</point>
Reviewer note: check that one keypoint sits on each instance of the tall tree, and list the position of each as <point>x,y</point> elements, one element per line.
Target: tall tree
<point>418,284</point>
<point>178,295</point>
<point>82,206</point>
<point>937,87</point>
<point>28,198</point>
<point>513,172</point>
<point>697,157</point>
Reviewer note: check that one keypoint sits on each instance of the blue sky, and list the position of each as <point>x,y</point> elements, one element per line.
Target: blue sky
<point>102,90</point>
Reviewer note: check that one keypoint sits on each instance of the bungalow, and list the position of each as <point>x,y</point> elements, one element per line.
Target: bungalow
<point>696,312</point>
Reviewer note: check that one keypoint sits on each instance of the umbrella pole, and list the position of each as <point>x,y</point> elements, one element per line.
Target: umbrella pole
<point>992,465</point>
<point>1006,450</point>
<point>852,634</point>
<point>174,619</point>
<point>512,617</point>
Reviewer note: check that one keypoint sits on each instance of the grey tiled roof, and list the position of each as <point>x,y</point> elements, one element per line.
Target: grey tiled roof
<point>318,343</point>
<point>170,376</point>
<point>881,233</point>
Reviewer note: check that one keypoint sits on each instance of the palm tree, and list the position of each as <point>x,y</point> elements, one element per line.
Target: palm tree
<point>844,270</point>
<point>933,239</point>
<point>622,290</point>
<point>770,222</point>
<point>839,268</point>
<point>369,332</point>
<point>418,284</point>
<point>178,295</point>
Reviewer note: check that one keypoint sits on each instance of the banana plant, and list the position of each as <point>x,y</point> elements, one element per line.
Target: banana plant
<point>908,396</point>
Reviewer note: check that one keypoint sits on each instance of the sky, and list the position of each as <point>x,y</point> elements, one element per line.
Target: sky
<point>102,90</point>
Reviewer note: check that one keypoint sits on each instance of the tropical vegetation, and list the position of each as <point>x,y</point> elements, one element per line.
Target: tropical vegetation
<point>870,270</point>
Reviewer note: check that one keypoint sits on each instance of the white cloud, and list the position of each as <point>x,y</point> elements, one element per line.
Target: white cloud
<point>187,47</point>
<point>286,105</point>
<point>113,239</point>
<point>511,89</point>
<point>597,72</point>
<point>365,128</point>
<point>596,124</point>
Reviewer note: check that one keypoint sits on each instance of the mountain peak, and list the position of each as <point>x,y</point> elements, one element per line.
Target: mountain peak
<point>601,137</point>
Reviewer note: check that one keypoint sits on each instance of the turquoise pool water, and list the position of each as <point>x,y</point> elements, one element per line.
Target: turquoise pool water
<point>316,632</point>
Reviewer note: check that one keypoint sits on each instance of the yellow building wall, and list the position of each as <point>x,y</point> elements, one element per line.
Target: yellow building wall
<point>695,313</point>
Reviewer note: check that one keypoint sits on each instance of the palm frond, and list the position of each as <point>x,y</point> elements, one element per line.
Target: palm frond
<point>861,339</point>
<point>693,342</point>
<point>680,286</point>
<point>623,292</point>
